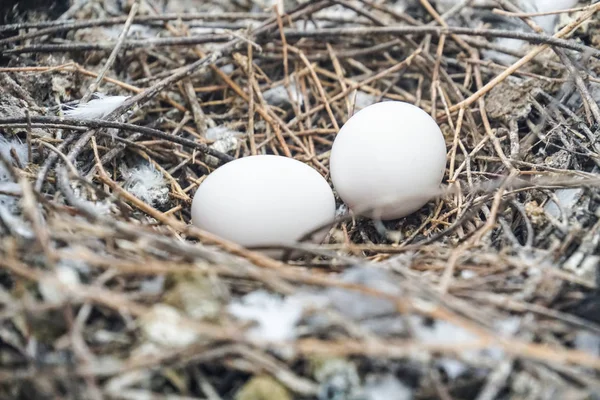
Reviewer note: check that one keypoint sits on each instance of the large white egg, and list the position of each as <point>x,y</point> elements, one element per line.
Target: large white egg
<point>389,157</point>
<point>263,200</point>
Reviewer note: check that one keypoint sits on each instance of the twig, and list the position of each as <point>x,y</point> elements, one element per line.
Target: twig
<point>113,55</point>
<point>38,121</point>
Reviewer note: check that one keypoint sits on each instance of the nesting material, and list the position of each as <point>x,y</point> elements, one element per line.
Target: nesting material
<point>362,100</point>
<point>567,198</point>
<point>547,22</point>
<point>164,326</point>
<point>221,132</point>
<point>281,95</point>
<point>263,387</point>
<point>226,140</point>
<point>337,378</point>
<point>147,183</point>
<point>275,318</point>
<point>7,147</point>
<point>487,291</point>
<point>96,108</point>
<point>587,342</point>
<point>386,387</point>
<point>55,287</point>
<point>362,306</point>
<point>11,190</point>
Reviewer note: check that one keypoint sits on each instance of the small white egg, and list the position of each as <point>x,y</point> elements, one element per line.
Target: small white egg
<point>388,160</point>
<point>263,200</point>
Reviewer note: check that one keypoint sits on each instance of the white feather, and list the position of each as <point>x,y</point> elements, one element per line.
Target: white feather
<point>96,108</point>
<point>279,96</point>
<point>546,22</point>
<point>6,147</point>
<point>101,207</point>
<point>226,140</point>
<point>55,293</point>
<point>362,100</point>
<point>147,184</point>
<point>508,44</point>
<point>445,5</point>
<point>386,387</point>
<point>221,132</point>
<point>361,306</point>
<point>276,318</point>
<point>164,326</point>
<point>587,342</point>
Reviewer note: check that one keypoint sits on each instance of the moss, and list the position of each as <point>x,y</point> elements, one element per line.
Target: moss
<point>194,294</point>
<point>263,388</point>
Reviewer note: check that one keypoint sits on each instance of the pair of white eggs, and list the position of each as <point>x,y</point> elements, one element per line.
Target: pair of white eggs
<point>386,162</point>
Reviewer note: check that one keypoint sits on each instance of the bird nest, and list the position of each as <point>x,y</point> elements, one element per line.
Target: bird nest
<point>106,290</point>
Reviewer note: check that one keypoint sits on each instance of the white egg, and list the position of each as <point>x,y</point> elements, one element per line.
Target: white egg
<point>263,200</point>
<point>388,160</point>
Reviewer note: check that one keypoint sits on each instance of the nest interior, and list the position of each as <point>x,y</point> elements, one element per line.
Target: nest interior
<point>107,291</point>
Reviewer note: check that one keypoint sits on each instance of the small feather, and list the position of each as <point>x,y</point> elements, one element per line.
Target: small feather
<point>96,108</point>
<point>147,184</point>
<point>279,95</point>
<point>276,318</point>
<point>6,147</point>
